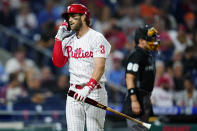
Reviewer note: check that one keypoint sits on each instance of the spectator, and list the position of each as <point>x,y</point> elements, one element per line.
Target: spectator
<point>105,20</point>
<point>7,17</point>
<point>47,79</point>
<point>189,5</point>
<point>117,73</point>
<point>15,4</point>
<point>169,19</point>
<point>13,90</point>
<point>36,93</point>
<point>125,5</point>
<point>148,11</point>
<point>163,95</point>
<point>62,86</point>
<point>160,70</point>
<point>188,97</point>
<point>118,38</point>
<point>189,19</point>
<point>47,39</point>
<point>178,76</point>
<point>25,20</point>
<point>29,74</point>
<point>166,45</point>
<point>180,39</point>
<point>177,55</point>
<point>130,21</point>
<point>115,77</point>
<point>19,63</point>
<point>95,15</point>
<point>189,60</point>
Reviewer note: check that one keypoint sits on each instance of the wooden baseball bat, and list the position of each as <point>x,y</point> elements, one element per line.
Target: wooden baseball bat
<point>99,105</point>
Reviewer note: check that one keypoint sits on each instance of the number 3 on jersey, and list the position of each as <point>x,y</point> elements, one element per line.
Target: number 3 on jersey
<point>102,49</point>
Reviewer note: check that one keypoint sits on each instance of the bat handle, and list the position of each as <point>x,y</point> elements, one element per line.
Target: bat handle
<point>71,93</point>
<point>87,100</point>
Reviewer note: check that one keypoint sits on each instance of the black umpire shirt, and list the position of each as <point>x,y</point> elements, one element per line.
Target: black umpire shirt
<point>140,63</point>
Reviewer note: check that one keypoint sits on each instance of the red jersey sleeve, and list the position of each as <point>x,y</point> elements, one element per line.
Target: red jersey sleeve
<point>58,58</point>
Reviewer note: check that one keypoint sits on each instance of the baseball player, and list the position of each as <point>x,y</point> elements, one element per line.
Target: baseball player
<point>86,51</point>
<point>140,75</point>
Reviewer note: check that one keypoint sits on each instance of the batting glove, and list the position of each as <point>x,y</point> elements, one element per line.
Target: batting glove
<point>82,94</point>
<point>63,32</point>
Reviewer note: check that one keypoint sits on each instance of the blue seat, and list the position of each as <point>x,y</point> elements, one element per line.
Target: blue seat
<point>24,104</point>
<point>54,103</point>
<point>3,107</point>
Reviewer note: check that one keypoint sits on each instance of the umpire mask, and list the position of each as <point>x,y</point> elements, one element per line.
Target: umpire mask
<point>153,41</point>
<point>150,34</point>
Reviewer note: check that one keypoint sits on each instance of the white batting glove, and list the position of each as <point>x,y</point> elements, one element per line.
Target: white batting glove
<point>82,94</point>
<point>63,31</point>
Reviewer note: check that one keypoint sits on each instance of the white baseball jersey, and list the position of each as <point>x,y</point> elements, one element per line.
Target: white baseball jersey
<point>81,52</point>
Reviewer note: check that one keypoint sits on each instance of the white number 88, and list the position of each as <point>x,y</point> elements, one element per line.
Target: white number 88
<point>134,67</point>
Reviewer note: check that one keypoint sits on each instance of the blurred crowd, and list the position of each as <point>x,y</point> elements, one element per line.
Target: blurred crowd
<point>24,77</point>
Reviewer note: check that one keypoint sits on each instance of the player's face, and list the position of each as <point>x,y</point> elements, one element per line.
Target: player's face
<point>75,21</point>
<point>143,43</point>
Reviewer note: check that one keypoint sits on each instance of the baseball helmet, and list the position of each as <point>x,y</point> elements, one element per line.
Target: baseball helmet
<point>76,8</point>
<point>150,34</point>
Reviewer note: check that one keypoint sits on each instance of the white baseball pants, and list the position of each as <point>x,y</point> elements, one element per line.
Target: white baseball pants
<point>78,114</point>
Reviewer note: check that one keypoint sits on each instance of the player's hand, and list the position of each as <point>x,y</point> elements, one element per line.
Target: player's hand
<point>63,31</point>
<point>135,106</point>
<point>82,94</point>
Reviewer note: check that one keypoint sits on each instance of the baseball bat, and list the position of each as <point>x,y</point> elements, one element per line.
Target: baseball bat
<point>99,105</point>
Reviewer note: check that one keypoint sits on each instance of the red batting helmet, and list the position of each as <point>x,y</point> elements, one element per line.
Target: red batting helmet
<point>76,8</point>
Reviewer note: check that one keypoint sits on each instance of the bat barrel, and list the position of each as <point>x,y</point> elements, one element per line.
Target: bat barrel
<point>124,115</point>
<point>147,125</point>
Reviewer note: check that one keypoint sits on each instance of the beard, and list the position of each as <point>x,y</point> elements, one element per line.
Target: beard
<point>76,27</point>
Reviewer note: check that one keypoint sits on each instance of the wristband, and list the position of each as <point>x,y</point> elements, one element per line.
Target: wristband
<point>92,83</point>
<point>131,91</point>
<point>59,41</point>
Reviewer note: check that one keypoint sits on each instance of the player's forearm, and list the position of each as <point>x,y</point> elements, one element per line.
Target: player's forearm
<point>99,68</point>
<point>130,84</point>
<point>58,57</point>
<point>98,72</point>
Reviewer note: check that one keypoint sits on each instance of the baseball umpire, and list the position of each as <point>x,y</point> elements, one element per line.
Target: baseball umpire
<point>140,75</point>
<point>86,51</point>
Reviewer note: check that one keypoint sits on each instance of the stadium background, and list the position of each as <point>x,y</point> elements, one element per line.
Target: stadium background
<point>33,91</point>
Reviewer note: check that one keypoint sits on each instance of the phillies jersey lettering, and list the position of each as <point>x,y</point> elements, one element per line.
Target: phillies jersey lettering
<point>80,53</point>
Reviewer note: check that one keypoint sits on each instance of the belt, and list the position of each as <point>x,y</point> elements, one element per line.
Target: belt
<point>81,87</point>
